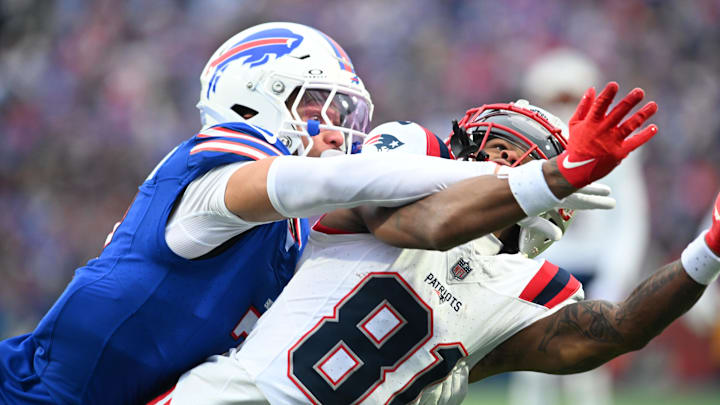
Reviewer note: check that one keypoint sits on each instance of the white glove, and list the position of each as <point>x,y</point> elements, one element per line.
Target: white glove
<point>451,391</point>
<point>594,196</point>
<point>542,227</point>
<point>538,233</point>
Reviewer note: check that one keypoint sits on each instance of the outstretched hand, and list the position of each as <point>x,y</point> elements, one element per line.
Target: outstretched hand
<point>598,141</point>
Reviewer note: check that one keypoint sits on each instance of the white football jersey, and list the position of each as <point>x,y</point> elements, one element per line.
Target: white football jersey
<point>362,322</point>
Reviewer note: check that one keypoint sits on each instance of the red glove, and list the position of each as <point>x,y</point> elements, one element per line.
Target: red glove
<point>597,143</point>
<point>712,238</point>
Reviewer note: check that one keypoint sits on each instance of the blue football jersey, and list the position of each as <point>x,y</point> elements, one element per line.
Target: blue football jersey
<point>135,318</point>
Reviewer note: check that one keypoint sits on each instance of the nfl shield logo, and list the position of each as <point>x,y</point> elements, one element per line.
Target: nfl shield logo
<point>461,269</point>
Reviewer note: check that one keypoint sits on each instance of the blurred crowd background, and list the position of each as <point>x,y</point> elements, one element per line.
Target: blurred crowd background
<point>94,93</point>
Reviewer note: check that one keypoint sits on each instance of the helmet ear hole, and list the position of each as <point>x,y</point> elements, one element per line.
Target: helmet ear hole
<point>244,111</point>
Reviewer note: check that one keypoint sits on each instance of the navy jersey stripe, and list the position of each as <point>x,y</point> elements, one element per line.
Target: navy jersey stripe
<point>553,288</point>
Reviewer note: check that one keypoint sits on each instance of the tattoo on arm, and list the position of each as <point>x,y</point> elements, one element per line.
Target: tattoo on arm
<point>607,330</point>
<point>658,301</point>
<point>584,335</point>
<point>590,319</point>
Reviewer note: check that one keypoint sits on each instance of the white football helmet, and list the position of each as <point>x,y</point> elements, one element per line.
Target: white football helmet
<point>540,134</point>
<point>271,74</point>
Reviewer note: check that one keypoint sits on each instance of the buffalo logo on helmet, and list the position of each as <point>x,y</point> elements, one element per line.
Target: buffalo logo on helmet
<point>257,49</point>
<point>384,142</point>
<point>461,269</point>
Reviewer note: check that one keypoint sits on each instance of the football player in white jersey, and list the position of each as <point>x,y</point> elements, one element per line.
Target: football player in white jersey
<point>362,321</point>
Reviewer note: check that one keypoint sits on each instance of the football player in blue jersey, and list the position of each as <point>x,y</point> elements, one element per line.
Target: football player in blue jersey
<point>216,229</point>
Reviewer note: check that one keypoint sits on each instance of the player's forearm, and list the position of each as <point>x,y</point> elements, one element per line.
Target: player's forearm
<point>670,292</point>
<point>584,335</point>
<point>472,208</point>
<point>654,304</point>
<point>588,334</point>
<point>465,211</point>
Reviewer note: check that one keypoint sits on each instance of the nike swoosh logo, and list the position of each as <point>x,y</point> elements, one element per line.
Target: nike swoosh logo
<point>572,165</point>
<point>717,214</point>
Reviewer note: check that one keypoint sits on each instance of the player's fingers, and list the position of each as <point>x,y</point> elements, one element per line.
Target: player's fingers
<point>601,104</point>
<point>578,201</point>
<point>715,223</point>
<point>584,105</point>
<point>637,119</point>
<point>595,189</point>
<point>543,226</point>
<point>635,141</point>
<point>712,237</point>
<point>623,107</point>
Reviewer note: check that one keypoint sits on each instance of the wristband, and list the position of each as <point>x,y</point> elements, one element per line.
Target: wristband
<point>699,262</point>
<point>531,191</point>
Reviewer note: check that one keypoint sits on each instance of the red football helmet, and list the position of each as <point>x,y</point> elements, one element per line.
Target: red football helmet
<point>538,133</point>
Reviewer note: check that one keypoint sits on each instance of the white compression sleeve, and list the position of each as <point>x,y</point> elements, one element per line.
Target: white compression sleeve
<point>303,187</point>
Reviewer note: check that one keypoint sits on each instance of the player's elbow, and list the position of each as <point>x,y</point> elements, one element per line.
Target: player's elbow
<point>443,235</point>
<point>440,245</point>
<point>450,231</point>
<point>636,341</point>
<point>430,238</point>
<point>636,336</point>
<point>631,340</point>
<point>584,359</point>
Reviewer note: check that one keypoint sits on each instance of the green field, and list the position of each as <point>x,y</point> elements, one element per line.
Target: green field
<point>495,393</point>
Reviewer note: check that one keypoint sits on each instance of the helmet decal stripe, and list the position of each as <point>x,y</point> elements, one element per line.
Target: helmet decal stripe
<point>257,49</point>
<point>345,62</point>
<point>248,45</point>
